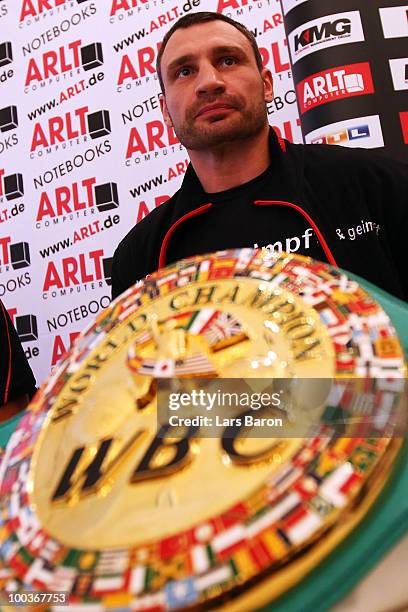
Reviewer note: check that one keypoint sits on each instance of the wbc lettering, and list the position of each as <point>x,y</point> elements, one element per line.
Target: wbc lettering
<point>79,479</point>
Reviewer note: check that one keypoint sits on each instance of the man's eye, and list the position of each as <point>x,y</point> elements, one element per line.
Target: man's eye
<point>183,72</point>
<point>229,61</point>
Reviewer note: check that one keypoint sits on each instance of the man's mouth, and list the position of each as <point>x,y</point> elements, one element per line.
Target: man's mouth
<point>214,109</point>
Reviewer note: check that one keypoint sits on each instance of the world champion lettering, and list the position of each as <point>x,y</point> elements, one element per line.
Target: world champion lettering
<point>284,313</point>
<point>70,400</point>
<point>296,327</point>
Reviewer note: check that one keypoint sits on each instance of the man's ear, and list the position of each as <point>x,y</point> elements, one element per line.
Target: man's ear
<point>165,112</point>
<point>268,84</point>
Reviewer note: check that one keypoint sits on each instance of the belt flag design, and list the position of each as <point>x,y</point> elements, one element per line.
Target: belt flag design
<point>101,499</point>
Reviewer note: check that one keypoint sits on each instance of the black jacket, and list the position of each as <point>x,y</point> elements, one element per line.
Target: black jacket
<point>16,376</point>
<point>355,200</point>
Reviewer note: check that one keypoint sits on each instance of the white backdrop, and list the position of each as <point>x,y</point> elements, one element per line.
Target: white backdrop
<point>84,153</point>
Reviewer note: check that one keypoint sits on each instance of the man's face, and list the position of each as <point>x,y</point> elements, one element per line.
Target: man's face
<point>214,92</point>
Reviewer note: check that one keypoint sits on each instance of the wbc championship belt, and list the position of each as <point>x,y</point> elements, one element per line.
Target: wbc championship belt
<point>208,440</point>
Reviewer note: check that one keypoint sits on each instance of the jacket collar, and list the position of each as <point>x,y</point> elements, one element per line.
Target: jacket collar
<point>285,184</point>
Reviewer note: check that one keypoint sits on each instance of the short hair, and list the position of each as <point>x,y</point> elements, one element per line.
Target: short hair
<point>204,17</point>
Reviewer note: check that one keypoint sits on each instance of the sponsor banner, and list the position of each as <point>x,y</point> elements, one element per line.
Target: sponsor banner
<point>325,32</point>
<point>72,59</point>
<point>3,9</point>
<point>32,12</point>
<point>6,62</point>
<point>84,151</point>
<point>27,326</point>
<point>399,72</point>
<point>87,271</point>
<point>334,84</point>
<point>288,5</point>
<point>358,132</point>
<point>76,126</point>
<point>394,21</point>
<point>122,10</point>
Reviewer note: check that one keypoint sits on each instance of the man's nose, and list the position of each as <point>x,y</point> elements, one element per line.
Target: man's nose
<point>209,80</point>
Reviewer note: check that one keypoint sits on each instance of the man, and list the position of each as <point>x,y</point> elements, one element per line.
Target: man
<point>246,187</point>
<point>17,382</point>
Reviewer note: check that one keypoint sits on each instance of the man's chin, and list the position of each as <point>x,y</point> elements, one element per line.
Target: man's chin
<point>216,133</point>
